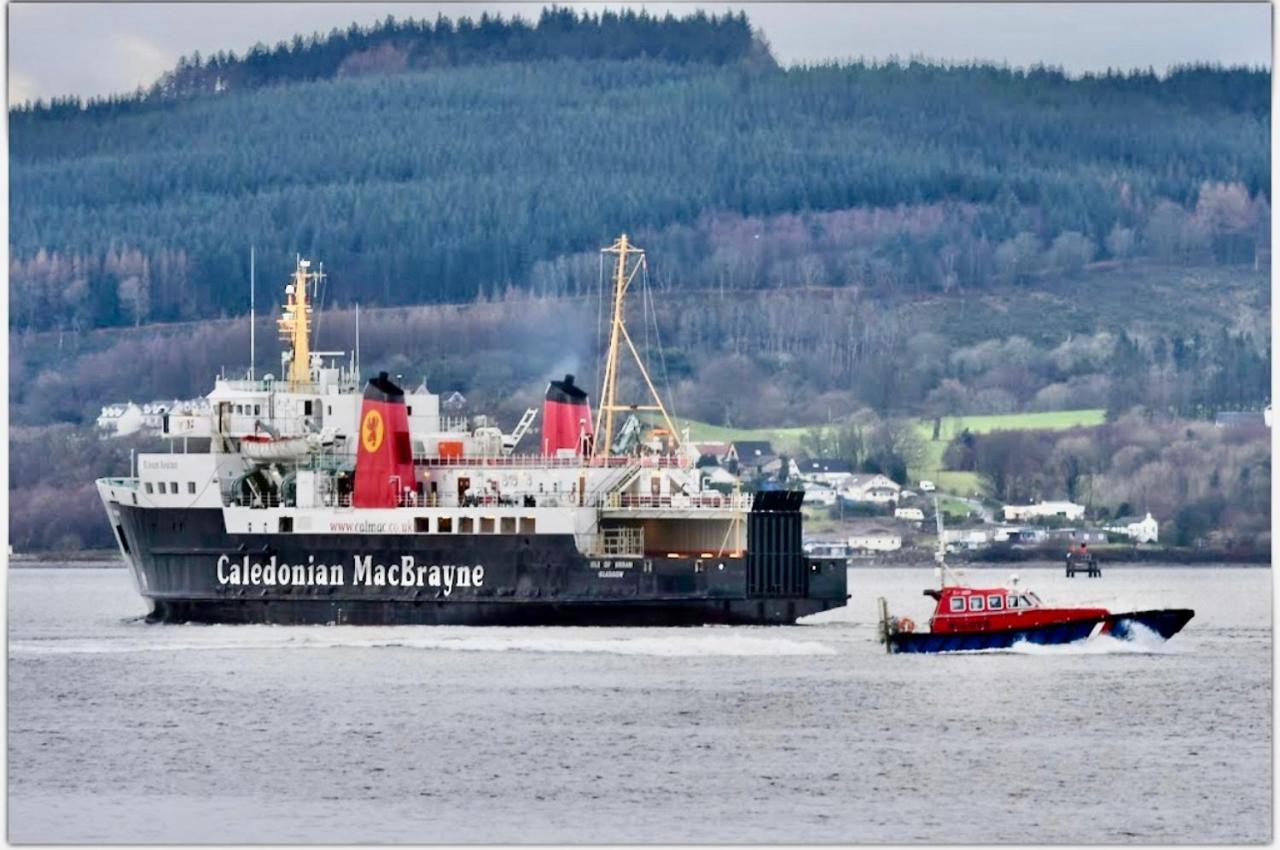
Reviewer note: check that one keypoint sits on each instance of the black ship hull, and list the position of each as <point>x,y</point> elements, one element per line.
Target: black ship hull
<point>192,570</point>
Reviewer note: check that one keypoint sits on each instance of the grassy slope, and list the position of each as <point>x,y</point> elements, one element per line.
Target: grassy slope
<point>965,483</point>
<point>969,483</point>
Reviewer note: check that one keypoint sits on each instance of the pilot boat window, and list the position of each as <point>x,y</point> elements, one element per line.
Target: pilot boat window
<point>995,603</point>
<point>1013,602</point>
<point>957,604</point>
<point>977,603</point>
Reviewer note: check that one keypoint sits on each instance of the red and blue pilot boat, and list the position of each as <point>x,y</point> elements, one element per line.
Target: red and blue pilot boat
<point>969,619</point>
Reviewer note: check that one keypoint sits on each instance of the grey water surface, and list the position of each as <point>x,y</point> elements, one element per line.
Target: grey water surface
<point>121,731</point>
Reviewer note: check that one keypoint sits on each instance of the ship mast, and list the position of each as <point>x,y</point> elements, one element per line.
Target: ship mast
<point>617,335</point>
<point>295,324</point>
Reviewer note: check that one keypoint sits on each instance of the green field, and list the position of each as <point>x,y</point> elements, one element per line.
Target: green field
<point>969,483</point>
<point>788,440</point>
<point>785,440</point>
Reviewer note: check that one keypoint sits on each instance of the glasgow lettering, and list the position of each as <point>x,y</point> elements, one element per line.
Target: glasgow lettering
<point>405,572</point>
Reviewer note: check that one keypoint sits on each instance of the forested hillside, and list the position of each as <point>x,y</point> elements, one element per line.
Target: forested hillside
<point>436,163</point>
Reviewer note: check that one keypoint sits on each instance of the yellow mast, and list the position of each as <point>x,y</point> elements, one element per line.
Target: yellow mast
<point>618,334</point>
<point>295,324</point>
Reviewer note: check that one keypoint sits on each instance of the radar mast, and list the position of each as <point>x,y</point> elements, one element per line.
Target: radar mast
<point>609,405</point>
<point>295,324</point>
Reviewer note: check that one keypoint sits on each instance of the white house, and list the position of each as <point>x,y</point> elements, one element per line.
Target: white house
<point>119,420</point>
<point>832,472</point>
<point>718,475</point>
<point>877,489</point>
<point>1022,513</point>
<point>818,494</point>
<point>965,538</point>
<point>875,540</point>
<point>909,514</point>
<point>1145,530</point>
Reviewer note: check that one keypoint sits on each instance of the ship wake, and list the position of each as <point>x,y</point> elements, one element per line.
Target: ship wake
<point>684,644</point>
<point>1143,641</point>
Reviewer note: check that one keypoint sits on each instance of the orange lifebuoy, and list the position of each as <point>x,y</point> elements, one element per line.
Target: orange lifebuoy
<point>906,624</point>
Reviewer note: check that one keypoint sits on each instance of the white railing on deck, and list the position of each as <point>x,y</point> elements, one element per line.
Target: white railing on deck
<point>698,501</point>
<point>662,462</point>
<point>412,500</point>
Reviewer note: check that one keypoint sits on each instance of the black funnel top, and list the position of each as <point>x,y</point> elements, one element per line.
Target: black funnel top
<point>382,388</point>
<point>566,391</point>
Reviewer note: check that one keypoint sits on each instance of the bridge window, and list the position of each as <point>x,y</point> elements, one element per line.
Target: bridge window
<point>977,603</point>
<point>957,604</point>
<point>191,487</point>
<point>148,486</point>
<point>995,603</point>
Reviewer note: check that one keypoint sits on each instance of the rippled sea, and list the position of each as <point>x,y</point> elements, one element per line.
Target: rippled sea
<point>125,732</point>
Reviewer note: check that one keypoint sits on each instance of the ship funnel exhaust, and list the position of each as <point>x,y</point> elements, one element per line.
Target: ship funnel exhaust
<point>384,460</point>
<point>566,418</point>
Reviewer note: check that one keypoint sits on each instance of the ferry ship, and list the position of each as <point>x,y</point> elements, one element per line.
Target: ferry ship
<point>324,499</point>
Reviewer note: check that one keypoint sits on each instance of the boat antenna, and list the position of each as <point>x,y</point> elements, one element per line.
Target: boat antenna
<point>253,318</point>
<point>357,361</point>
<point>940,553</point>
<point>618,334</point>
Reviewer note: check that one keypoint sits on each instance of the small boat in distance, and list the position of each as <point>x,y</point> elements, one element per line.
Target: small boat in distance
<point>968,619</point>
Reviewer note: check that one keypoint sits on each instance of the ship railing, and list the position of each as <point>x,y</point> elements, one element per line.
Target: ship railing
<point>343,385</point>
<point>696,501</point>
<point>534,460</point>
<point>122,483</point>
<point>412,499</point>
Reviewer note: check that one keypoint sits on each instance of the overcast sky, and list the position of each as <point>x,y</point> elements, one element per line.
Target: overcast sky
<point>100,48</point>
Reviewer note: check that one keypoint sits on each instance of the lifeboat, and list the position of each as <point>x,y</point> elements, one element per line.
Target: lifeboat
<point>264,447</point>
<point>268,448</point>
<point>967,619</point>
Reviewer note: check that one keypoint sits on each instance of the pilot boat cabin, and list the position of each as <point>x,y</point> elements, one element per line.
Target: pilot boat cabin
<point>973,609</point>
